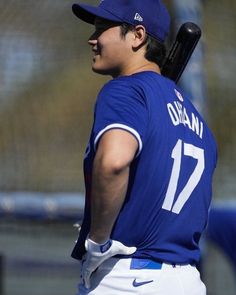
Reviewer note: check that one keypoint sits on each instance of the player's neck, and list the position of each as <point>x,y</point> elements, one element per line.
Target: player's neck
<point>141,67</point>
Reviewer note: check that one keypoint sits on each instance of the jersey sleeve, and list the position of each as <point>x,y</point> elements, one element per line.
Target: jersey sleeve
<point>121,105</point>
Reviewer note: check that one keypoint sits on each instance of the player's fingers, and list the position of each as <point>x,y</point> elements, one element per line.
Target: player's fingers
<point>86,274</point>
<point>122,249</point>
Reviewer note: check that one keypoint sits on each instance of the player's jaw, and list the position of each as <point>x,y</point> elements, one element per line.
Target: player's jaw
<point>109,52</point>
<point>103,63</point>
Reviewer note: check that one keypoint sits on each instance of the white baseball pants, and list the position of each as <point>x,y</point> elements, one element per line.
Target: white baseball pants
<point>143,277</point>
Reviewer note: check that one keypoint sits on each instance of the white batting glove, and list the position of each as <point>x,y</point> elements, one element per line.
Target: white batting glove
<point>98,253</point>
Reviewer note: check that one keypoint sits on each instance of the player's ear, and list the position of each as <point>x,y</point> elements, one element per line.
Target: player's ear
<point>140,36</point>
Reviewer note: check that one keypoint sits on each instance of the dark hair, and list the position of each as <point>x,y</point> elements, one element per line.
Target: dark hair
<point>156,50</point>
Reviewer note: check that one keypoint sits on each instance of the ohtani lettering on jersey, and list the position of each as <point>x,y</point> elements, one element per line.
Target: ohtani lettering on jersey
<point>178,115</point>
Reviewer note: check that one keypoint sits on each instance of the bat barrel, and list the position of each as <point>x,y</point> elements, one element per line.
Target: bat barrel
<point>181,51</point>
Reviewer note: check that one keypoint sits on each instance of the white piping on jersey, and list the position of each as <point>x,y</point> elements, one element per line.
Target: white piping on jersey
<point>124,127</point>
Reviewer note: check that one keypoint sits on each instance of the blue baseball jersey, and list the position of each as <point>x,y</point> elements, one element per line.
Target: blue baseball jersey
<point>170,184</point>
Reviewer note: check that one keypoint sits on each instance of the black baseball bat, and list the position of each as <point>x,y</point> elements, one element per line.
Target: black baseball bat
<point>181,51</point>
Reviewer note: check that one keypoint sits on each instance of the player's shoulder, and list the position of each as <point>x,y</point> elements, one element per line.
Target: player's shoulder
<point>122,82</point>
<point>150,78</point>
<point>140,84</point>
<point>125,86</point>
<point>136,80</point>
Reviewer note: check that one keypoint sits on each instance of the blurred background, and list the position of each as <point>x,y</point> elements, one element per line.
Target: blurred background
<point>47,93</point>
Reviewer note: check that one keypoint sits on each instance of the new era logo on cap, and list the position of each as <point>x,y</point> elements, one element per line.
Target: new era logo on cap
<point>138,17</point>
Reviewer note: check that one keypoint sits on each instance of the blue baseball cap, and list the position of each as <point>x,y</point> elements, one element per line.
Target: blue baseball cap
<point>152,14</point>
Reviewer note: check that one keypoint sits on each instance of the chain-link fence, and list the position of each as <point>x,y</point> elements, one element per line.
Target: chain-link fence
<point>46,105</point>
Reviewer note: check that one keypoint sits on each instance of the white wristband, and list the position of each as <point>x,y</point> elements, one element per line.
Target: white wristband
<point>92,246</point>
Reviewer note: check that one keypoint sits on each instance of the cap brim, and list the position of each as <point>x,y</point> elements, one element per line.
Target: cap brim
<point>88,13</point>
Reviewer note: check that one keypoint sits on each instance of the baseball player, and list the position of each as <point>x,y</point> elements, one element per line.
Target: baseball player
<point>148,164</point>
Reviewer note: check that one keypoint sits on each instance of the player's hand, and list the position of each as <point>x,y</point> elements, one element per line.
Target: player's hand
<point>98,253</point>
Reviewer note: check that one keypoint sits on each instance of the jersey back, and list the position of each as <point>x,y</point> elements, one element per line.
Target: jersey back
<point>170,183</point>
